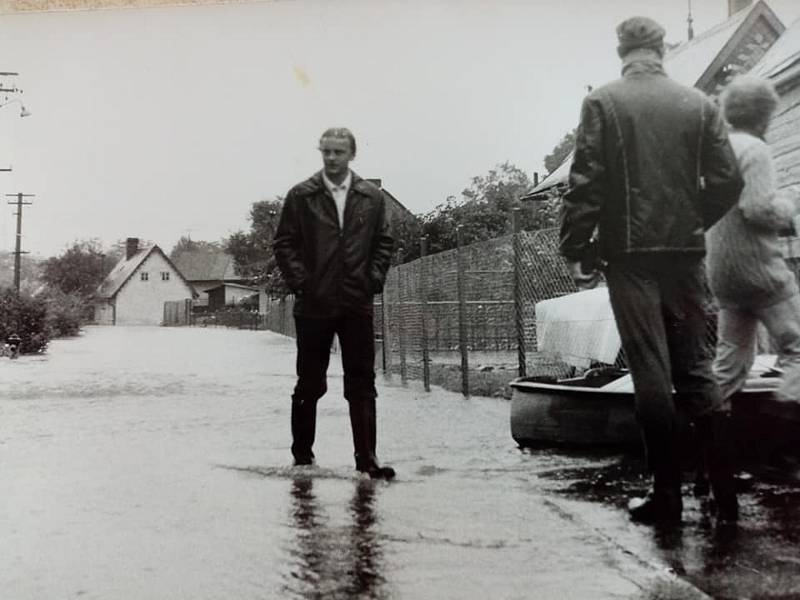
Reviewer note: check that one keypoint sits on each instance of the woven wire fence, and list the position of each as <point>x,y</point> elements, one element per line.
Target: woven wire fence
<point>472,309</point>
<point>462,312</point>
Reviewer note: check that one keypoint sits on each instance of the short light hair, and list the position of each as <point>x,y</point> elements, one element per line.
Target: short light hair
<point>342,133</point>
<point>748,102</point>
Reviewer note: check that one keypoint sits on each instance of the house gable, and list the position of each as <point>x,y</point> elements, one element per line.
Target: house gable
<point>125,269</point>
<point>140,299</point>
<point>749,43</point>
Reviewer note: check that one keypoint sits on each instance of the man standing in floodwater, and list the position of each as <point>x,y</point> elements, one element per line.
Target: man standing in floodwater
<point>652,170</point>
<point>333,247</point>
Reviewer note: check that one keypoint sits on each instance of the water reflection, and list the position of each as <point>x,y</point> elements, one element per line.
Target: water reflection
<point>330,561</point>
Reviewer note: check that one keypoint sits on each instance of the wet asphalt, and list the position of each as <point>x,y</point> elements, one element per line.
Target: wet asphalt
<point>154,463</point>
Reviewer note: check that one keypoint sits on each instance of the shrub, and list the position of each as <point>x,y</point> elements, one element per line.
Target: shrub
<point>27,317</point>
<point>65,313</point>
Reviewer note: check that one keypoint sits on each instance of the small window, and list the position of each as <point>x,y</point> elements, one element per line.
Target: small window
<point>164,275</point>
<point>145,275</point>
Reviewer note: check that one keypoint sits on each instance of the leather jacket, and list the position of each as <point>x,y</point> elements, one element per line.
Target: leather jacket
<point>653,168</point>
<point>331,269</point>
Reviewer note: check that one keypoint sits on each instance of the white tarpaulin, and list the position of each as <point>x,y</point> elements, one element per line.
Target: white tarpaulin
<point>579,328</point>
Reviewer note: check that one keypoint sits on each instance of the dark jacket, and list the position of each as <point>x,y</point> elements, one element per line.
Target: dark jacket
<point>653,168</point>
<point>328,269</point>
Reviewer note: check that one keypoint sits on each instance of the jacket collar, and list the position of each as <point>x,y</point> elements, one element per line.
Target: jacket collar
<point>642,66</point>
<point>315,184</point>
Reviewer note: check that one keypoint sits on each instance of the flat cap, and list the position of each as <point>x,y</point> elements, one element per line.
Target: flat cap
<point>639,32</point>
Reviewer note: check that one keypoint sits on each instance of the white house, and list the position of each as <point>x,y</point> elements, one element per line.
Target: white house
<point>135,290</point>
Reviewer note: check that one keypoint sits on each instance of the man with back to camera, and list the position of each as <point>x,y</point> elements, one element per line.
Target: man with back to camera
<point>333,247</point>
<point>652,170</point>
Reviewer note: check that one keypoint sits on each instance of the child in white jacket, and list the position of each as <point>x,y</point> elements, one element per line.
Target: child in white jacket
<point>746,269</point>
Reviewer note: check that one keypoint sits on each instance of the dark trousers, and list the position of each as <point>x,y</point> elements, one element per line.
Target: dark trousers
<point>357,344</point>
<point>659,304</point>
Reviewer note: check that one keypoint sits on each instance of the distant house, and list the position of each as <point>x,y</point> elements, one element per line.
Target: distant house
<point>396,211</point>
<point>706,61</point>
<point>228,293</point>
<point>206,269</point>
<point>137,287</point>
<point>404,224</point>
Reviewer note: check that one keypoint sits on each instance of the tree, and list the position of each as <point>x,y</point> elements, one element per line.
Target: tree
<point>30,267</point>
<point>252,250</point>
<point>79,270</point>
<point>484,210</point>
<point>187,244</point>
<point>553,160</point>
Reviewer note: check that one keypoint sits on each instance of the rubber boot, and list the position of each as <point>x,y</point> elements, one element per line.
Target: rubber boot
<point>304,425</point>
<point>664,504</point>
<point>717,431</point>
<point>363,424</point>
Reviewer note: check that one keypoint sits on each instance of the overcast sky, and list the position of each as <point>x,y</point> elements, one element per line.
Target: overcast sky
<point>161,122</point>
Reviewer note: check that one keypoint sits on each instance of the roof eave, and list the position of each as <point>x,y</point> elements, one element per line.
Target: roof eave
<point>760,9</point>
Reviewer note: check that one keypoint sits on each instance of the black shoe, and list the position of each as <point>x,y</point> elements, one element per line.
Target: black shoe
<point>303,461</point>
<point>386,473</point>
<point>656,509</point>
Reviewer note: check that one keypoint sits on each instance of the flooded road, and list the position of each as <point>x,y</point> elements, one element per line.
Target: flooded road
<point>154,463</point>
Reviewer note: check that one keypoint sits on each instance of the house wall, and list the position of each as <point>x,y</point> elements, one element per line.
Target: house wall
<point>141,302</point>
<point>784,136</point>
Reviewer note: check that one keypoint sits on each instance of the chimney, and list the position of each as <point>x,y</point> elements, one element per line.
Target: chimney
<point>734,6</point>
<point>131,247</point>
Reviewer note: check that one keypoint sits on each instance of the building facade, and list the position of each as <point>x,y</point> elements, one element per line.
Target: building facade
<point>136,289</point>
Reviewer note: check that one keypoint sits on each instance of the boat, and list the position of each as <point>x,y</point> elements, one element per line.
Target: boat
<point>597,409</point>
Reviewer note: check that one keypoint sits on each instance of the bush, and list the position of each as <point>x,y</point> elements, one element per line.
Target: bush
<point>27,317</point>
<point>65,313</point>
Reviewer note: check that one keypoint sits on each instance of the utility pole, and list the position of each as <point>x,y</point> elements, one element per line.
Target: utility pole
<point>18,249</point>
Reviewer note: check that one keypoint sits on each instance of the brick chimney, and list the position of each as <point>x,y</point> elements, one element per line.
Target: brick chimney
<point>131,247</point>
<point>734,6</point>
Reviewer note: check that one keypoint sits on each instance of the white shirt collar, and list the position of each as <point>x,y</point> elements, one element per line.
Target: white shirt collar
<point>344,186</point>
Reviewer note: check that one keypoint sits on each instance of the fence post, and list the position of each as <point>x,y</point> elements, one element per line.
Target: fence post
<point>383,329</point>
<point>401,324</point>
<point>282,318</point>
<point>519,322</point>
<point>423,292</point>
<point>462,315</point>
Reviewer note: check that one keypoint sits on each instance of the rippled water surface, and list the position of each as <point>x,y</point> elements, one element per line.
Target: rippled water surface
<point>154,463</point>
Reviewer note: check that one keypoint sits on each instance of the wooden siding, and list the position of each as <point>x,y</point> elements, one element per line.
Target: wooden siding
<point>784,137</point>
<point>104,313</point>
